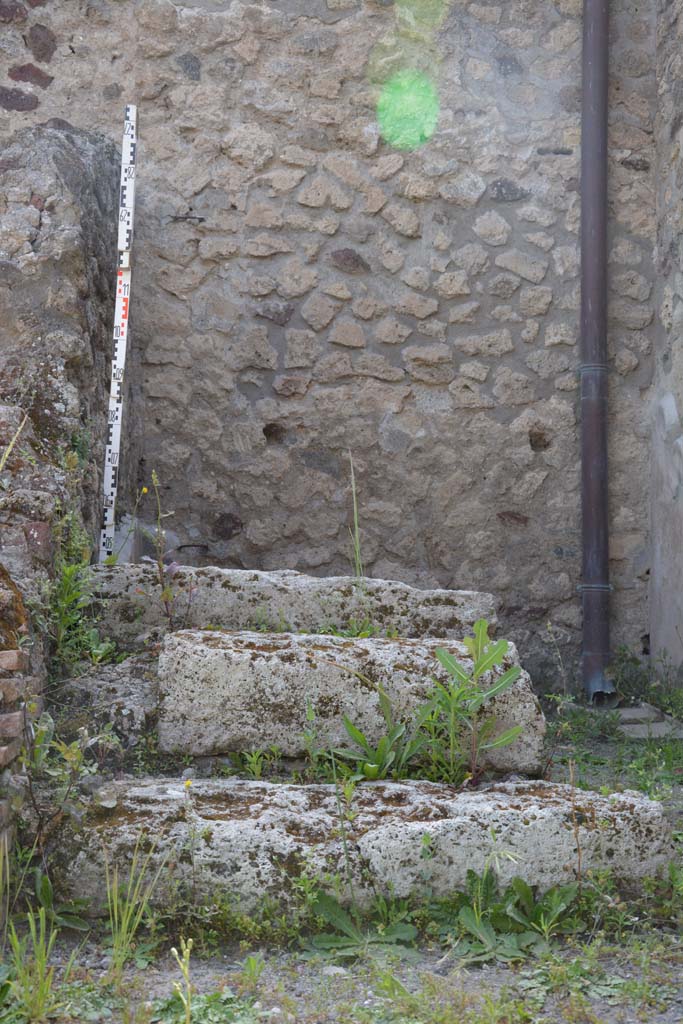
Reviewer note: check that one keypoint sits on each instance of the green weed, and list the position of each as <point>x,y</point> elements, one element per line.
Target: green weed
<point>257,763</point>
<point>656,682</point>
<point>31,985</point>
<point>457,733</point>
<point>128,905</point>
<point>357,556</point>
<point>250,975</point>
<point>59,914</point>
<point>395,751</point>
<point>216,1008</point>
<point>184,989</point>
<point>349,940</point>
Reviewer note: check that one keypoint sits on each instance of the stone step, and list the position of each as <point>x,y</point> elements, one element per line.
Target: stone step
<point>645,722</point>
<point>222,692</point>
<point>250,840</point>
<point>250,599</point>
<point>123,695</point>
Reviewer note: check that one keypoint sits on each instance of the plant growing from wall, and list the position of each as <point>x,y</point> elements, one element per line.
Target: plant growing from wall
<point>165,570</point>
<point>53,769</point>
<point>64,613</point>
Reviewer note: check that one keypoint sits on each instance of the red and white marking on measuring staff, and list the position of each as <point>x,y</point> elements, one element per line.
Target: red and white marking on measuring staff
<point>118,364</point>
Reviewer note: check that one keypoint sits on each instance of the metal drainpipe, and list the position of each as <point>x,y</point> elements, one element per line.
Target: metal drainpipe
<point>595,588</point>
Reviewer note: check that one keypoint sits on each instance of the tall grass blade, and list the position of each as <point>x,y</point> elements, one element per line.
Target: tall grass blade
<point>8,450</point>
<point>32,977</point>
<point>128,904</point>
<point>355,533</point>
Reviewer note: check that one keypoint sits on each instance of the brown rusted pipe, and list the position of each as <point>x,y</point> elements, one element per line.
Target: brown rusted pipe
<point>595,588</point>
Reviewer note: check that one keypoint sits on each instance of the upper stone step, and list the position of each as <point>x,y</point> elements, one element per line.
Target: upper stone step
<point>223,692</point>
<point>285,600</point>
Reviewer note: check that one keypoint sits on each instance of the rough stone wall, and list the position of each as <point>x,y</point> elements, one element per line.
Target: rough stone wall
<point>667,429</point>
<point>58,195</point>
<point>302,289</point>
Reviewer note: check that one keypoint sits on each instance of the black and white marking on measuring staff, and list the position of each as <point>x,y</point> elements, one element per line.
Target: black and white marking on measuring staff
<point>118,365</point>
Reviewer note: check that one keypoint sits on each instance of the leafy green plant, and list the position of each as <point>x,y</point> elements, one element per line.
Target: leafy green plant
<point>128,904</point>
<point>458,734</point>
<point>64,764</point>
<point>316,755</point>
<point>262,623</point>
<point>480,923</point>
<point>665,896</point>
<point>59,915</point>
<point>655,681</point>
<point>71,597</point>
<point>546,915</point>
<point>63,612</point>
<point>481,930</point>
<point>250,974</point>
<point>256,763</point>
<point>355,629</point>
<point>480,941</point>
<point>348,940</point>
<point>394,752</point>
<point>98,650</point>
<point>86,1000</point>
<point>216,1008</point>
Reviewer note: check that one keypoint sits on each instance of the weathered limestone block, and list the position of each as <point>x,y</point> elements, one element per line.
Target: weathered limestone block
<point>252,839</point>
<point>123,695</point>
<point>222,692</point>
<point>244,599</point>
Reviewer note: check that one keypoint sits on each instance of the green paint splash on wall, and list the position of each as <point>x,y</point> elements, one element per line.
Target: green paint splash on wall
<point>407,110</point>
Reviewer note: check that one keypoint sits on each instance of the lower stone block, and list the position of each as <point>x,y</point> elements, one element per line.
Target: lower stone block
<point>251,840</point>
